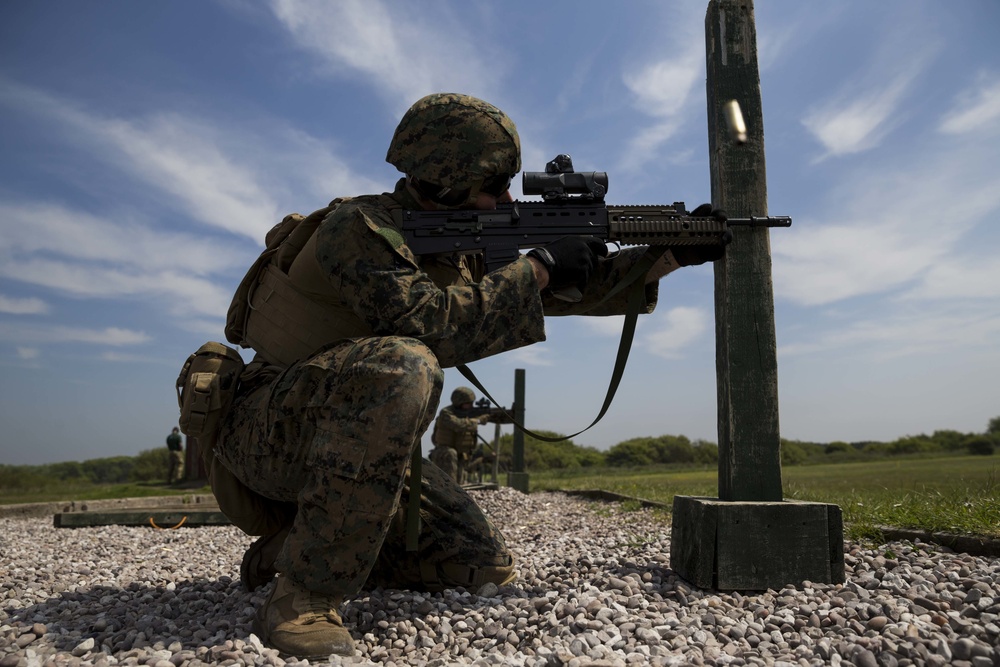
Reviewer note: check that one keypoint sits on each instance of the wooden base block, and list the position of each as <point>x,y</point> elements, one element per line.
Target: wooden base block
<point>737,545</point>
<point>156,517</point>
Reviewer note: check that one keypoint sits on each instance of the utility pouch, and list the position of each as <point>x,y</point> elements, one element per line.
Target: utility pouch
<point>206,388</point>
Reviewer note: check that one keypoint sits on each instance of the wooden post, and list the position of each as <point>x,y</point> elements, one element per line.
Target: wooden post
<point>747,538</point>
<point>518,478</point>
<point>746,359</point>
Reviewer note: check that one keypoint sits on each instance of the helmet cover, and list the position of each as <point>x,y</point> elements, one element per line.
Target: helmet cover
<point>455,141</point>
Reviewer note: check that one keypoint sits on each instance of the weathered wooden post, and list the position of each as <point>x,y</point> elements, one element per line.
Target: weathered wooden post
<point>748,537</point>
<point>517,478</point>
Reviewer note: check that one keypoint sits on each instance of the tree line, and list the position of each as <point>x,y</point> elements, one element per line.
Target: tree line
<point>148,466</point>
<point>151,465</point>
<point>681,451</point>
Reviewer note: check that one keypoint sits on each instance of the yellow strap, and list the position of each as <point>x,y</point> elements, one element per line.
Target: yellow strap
<point>179,524</point>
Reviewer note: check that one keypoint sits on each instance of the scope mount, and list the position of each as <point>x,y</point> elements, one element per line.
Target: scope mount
<point>559,183</point>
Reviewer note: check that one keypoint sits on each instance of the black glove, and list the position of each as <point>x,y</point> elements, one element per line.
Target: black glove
<point>690,255</point>
<point>571,260</point>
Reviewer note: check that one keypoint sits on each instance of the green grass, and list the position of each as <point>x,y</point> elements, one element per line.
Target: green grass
<point>959,494</point>
<point>63,491</point>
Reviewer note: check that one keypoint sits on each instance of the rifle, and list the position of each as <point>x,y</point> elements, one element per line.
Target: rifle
<point>572,205</point>
<point>484,407</point>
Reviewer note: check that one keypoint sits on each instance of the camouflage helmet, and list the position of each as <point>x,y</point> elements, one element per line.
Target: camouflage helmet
<point>462,395</point>
<point>455,141</point>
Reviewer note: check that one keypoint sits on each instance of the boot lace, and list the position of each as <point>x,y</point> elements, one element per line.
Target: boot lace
<point>322,607</point>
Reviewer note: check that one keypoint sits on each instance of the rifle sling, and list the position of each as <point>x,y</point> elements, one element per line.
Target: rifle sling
<point>635,282</point>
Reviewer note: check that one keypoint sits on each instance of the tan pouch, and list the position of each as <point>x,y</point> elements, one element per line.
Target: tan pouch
<point>206,388</point>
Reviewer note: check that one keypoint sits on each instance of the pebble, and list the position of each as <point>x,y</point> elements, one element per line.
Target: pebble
<point>594,590</point>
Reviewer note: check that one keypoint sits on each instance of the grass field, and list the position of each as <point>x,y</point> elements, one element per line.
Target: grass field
<point>63,491</point>
<point>959,494</point>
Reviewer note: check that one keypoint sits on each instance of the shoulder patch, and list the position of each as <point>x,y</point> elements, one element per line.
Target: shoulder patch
<point>394,238</point>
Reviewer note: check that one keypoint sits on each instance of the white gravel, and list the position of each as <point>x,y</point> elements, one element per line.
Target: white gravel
<point>595,588</point>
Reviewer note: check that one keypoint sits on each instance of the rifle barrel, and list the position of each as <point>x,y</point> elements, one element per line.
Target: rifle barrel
<point>762,221</point>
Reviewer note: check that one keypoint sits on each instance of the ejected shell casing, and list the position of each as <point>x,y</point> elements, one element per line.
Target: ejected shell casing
<point>734,119</point>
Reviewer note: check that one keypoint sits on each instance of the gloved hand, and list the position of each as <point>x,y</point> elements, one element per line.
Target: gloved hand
<point>571,260</point>
<point>699,254</point>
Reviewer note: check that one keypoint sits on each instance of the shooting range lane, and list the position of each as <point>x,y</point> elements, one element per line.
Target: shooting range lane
<point>594,584</point>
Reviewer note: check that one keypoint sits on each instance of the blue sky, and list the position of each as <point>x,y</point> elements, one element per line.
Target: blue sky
<point>146,148</point>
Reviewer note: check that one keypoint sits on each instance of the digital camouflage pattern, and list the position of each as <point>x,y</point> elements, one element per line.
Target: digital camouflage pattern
<point>455,431</point>
<point>458,434</point>
<point>455,141</point>
<point>377,279</point>
<point>334,434</point>
<point>445,458</point>
<point>462,395</point>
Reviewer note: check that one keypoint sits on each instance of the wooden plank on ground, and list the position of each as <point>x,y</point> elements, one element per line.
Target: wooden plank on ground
<point>156,517</point>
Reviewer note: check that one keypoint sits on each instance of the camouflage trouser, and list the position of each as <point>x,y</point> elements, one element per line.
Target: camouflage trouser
<point>334,434</point>
<point>446,458</point>
<point>175,471</point>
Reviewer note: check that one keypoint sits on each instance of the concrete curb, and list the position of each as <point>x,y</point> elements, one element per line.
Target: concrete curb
<point>35,510</point>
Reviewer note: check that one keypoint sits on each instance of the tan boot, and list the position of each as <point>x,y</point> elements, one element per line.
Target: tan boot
<point>301,623</point>
<point>257,567</point>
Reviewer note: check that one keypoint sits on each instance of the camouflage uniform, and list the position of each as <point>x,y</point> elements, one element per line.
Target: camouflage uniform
<point>446,458</point>
<point>334,432</point>
<point>455,436</point>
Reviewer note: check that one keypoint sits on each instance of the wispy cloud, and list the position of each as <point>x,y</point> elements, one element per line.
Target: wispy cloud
<point>208,171</point>
<point>114,336</point>
<point>959,278</point>
<point>675,331</point>
<point>858,120</point>
<point>28,353</point>
<point>88,256</point>
<point>16,306</point>
<point>909,331</point>
<point>664,333</point>
<point>867,106</point>
<point>892,227</point>
<point>179,157</point>
<point>166,167</point>
<point>405,52</point>
<point>663,90</point>
<point>975,109</point>
<point>534,355</point>
<point>123,358</point>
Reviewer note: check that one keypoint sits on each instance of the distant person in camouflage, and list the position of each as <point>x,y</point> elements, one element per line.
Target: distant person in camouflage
<point>348,378</point>
<point>455,436</point>
<point>175,447</point>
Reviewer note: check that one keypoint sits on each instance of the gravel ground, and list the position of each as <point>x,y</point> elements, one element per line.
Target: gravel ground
<point>595,588</point>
